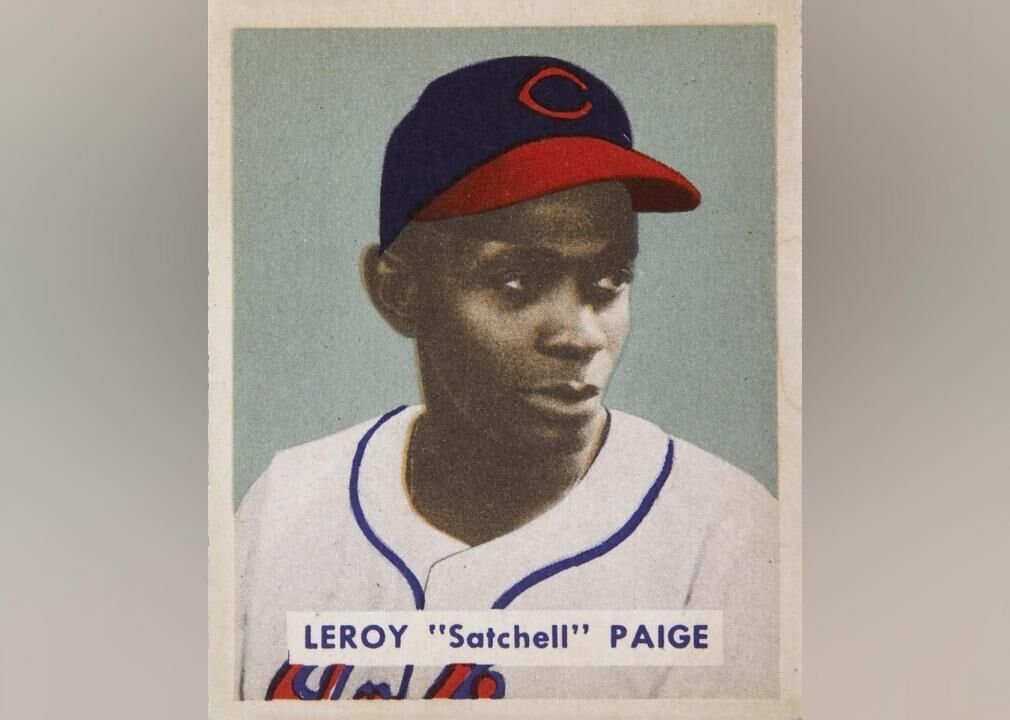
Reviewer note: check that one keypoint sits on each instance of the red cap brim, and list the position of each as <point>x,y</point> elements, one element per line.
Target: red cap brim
<point>547,166</point>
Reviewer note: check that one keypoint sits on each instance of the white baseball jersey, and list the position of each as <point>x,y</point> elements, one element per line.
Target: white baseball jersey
<point>656,523</point>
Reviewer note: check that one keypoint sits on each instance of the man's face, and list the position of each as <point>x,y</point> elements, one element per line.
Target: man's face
<point>524,311</point>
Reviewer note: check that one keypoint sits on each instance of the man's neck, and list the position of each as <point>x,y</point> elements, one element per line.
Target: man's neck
<point>478,488</point>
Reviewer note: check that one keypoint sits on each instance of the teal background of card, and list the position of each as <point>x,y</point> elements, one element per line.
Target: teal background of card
<point>312,110</point>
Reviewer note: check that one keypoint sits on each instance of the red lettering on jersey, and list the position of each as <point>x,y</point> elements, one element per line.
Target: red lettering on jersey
<point>486,687</point>
<point>460,681</point>
<point>289,683</point>
<point>526,95</point>
<point>466,681</point>
<point>337,675</point>
<point>280,688</point>
<point>450,680</point>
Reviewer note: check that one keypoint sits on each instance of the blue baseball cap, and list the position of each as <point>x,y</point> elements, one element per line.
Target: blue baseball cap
<point>513,129</point>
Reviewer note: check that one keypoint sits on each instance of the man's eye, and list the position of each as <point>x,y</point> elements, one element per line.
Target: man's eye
<point>515,281</point>
<point>520,287</point>
<point>613,282</point>
<point>525,282</point>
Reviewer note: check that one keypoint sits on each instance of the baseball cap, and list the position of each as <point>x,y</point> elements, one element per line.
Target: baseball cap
<point>512,129</point>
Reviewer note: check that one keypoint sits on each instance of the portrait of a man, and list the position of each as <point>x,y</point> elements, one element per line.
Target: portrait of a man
<point>511,198</point>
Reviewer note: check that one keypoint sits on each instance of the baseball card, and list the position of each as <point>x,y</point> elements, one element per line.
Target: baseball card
<point>505,392</point>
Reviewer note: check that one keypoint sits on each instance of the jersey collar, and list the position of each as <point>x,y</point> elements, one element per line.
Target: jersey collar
<point>594,516</point>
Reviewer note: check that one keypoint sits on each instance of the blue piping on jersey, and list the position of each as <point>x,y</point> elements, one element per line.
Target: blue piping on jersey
<point>366,529</point>
<point>594,552</point>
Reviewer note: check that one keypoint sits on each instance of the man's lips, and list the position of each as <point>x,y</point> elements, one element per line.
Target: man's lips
<point>569,399</point>
<point>568,391</point>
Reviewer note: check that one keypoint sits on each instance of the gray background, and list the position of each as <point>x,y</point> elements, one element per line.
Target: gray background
<point>103,539</point>
<point>312,112</point>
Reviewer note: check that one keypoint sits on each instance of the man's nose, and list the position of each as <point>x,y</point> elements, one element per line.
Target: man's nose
<point>573,329</point>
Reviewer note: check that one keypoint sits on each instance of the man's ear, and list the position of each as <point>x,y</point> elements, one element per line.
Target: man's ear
<point>392,288</point>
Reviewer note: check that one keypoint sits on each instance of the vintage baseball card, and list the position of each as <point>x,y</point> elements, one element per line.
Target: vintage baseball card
<point>505,389</point>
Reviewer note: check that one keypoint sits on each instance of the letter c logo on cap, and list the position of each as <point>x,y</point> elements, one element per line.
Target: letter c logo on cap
<point>526,98</point>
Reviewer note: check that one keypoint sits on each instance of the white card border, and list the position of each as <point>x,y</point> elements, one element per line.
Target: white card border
<point>226,15</point>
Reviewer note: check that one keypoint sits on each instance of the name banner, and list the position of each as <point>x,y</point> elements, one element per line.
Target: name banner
<point>507,637</point>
